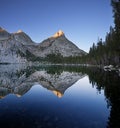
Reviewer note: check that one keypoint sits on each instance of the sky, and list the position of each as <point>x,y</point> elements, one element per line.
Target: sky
<point>82,21</point>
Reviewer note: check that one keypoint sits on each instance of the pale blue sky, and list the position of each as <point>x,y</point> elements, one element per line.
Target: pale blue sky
<point>82,21</point>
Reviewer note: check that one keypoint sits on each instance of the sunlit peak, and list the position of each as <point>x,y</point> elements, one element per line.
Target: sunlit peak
<point>19,31</point>
<point>1,29</point>
<point>58,34</point>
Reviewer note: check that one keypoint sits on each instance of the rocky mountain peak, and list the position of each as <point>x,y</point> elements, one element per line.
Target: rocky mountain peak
<point>58,43</point>
<point>58,34</point>
<point>23,38</point>
<point>4,34</point>
<point>19,31</point>
<point>1,29</point>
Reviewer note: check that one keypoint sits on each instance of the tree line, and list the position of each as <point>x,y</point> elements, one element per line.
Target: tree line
<point>108,51</point>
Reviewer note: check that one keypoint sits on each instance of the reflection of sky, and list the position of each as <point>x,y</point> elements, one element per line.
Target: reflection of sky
<point>82,87</point>
<point>79,104</point>
<point>83,92</point>
<point>80,99</point>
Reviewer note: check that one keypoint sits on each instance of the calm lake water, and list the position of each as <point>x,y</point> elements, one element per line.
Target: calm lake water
<point>58,97</point>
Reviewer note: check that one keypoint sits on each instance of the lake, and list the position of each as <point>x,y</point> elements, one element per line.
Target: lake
<point>58,97</point>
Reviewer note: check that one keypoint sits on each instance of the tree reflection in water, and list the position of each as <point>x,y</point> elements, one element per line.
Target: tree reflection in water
<point>110,82</point>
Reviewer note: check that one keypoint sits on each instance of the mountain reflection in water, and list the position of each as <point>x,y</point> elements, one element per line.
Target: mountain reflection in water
<point>20,81</point>
<point>73,110</point>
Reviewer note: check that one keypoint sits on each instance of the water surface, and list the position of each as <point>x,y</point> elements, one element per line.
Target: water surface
<point>58,97</point>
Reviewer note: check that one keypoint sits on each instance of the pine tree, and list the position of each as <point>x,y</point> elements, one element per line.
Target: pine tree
<point>116,11</point>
